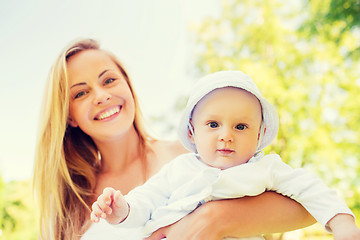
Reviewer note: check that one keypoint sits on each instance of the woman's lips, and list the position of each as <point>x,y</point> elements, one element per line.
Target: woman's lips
<point>107,113</point>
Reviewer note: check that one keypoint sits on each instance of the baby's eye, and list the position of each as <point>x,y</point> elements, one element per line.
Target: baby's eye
<point>213,124</point>
<point>80,94</point>
<point>241,126</point>
<point>109,80</point>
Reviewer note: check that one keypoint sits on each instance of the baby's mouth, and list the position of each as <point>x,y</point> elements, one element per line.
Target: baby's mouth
<point>108,113</point>
<point>225,151</point>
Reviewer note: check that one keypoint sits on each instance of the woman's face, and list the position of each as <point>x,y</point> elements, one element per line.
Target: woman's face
<point>101,102</point>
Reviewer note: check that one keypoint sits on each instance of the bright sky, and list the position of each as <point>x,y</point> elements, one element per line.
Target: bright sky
<point>149,36</point>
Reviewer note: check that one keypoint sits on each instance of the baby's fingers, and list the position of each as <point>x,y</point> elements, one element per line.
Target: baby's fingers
<point>94,218</point>
<point>104,202</point>
<point>117,198</point>
<point>96,213</point>
<point>108,194</point>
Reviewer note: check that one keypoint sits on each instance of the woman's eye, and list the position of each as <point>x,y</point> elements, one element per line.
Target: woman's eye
<point>109,80</point>
<point>240,127</point>
<point>80,94</point>
<point>213,124</point>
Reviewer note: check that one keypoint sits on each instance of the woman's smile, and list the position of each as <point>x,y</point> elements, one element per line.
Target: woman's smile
<point>108,113</point>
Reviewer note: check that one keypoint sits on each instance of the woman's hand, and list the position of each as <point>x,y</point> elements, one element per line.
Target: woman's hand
<point>199,225</point>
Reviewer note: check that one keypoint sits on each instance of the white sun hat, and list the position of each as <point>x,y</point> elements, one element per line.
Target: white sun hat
<point>223,79</point>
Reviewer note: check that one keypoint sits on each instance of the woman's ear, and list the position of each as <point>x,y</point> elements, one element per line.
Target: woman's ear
<point>72,122</point>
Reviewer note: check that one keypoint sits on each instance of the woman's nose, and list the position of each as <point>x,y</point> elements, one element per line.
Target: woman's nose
<point>101,97</point>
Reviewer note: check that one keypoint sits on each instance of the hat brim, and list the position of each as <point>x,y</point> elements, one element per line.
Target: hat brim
<point>223,79</point>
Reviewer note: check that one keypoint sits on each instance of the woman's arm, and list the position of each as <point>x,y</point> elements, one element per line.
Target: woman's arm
<point>267,213</point>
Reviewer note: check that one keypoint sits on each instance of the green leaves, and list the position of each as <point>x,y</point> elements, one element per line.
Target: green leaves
<point>334,20</point>
<point>312,80</point>
<point>17,213</point>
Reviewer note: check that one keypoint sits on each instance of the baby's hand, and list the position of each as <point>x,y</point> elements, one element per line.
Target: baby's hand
<point>344,227</point>
<point>350,232</point>
<point>110,205</point>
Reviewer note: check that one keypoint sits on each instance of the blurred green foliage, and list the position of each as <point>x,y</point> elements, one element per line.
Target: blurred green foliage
<point>17,211</point>
<point>312,79</point>
<point>334,19</point>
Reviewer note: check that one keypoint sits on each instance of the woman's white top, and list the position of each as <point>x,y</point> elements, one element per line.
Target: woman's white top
<point>105,231</point>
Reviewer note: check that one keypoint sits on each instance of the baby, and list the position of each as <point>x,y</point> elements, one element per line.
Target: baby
<point>225,125</point>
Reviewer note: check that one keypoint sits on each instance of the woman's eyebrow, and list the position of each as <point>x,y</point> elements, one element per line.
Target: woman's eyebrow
<point>78,84</point>
<point>84,83</point>
<point>103,72</point>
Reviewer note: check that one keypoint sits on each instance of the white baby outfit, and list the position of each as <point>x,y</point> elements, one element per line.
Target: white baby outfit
<point>186,182</point>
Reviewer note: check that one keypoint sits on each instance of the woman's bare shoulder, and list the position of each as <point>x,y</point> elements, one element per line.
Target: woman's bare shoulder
<point>162,153</point>
<point>169,149</point>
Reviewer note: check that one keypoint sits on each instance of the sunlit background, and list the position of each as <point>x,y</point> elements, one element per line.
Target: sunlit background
<point>150,38</point>
<point>304,56</point>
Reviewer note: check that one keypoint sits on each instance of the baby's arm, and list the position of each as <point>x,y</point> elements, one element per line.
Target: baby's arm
<point>344,228</point>
<point>110,205</point>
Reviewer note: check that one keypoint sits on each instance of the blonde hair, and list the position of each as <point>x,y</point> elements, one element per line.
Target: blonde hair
<point>66,159</point>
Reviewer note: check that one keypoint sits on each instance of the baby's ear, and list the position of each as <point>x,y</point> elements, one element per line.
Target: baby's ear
<point>72,122</point>
<point>191,132</point>
<point>260,132</point>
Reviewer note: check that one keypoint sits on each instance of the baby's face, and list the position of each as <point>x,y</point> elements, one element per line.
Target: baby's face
<point>226,127</point>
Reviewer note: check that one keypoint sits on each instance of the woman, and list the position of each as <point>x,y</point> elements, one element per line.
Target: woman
<point>92,136</point>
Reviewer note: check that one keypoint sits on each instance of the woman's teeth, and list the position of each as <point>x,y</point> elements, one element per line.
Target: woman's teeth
<point>108,113</point>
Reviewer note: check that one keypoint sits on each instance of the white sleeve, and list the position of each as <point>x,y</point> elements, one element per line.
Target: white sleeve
<point>144,199</point>
<point>306,188</point>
